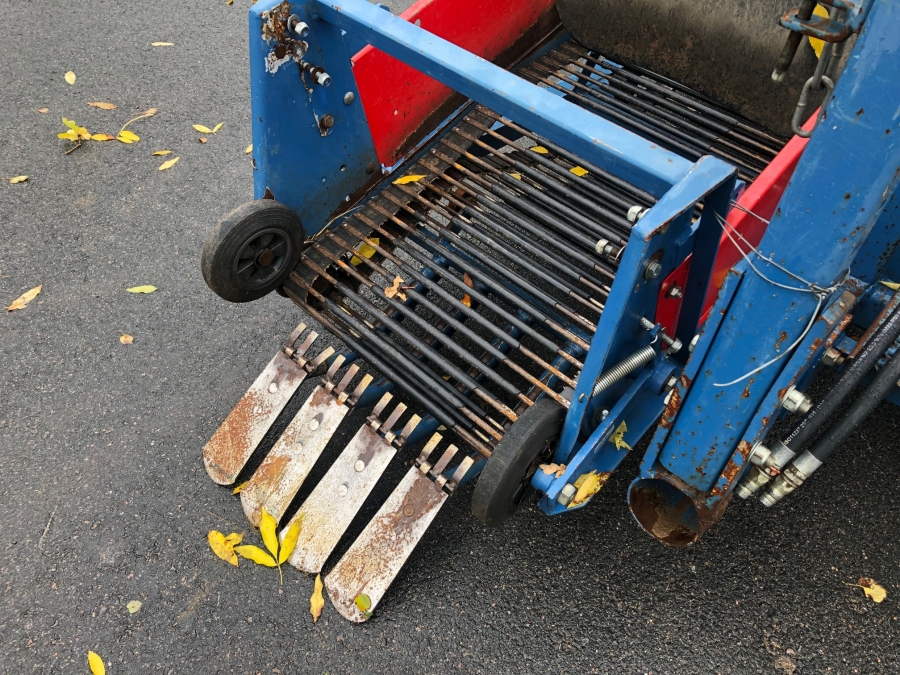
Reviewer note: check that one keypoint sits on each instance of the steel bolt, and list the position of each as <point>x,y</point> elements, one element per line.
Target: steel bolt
<point>652,270</point>
<point>832,357</point>
<point>370,167</point>
<point>675,292</point>
<point>349,97</point>
<point>694,341</point>
<point>566,494</point>
<point>326,122</point>
<point>670,383</point>
<point>296,25</point>
<point>795,401</point>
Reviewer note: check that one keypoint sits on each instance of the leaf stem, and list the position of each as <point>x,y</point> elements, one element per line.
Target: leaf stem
<point>149,113</point>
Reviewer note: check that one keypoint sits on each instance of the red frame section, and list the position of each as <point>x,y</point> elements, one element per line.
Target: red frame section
<point>398,99</point>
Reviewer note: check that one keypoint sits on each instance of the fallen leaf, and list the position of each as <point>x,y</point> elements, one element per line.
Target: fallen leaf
<point>403,180</point>
<point>556,469</point>
<point>365,251</point>
<point>103,105</point>
<point>256,554</point>
<point>221,547</point>
<point>394,290</point>
<point>24,299</point>
<point>128,137</point>
<point>317,602</point>
<point>249,149</point>
<point>141,289</point>
<point>70,77</point>
<point>579,171</point>
<point>618,437</point>
<point>133,606</point>
<point>467,301</point>
<point>815,43</point>
<point>363,602</point>
<point>126,339</point>
<point>289,541</point>
<point>102,137</point>
<point>217,127</point>
<point>43,110</point>
<point>160,153</point>
<point>162,44</point>
<point>872,589</point>
<point>539,149</point>
<point>893,285</point>
<point>234,538</point>
<point>202,129</point>
<point>588,484</point>
<point>201,140</point>
<point>240,487</point>
<point>169,164</point>
<point>74,130</point>
<point>267,527</point>
<point>18,179</point>
<point>229,2</point>
<point>517,176</point>
<point>94,660</point>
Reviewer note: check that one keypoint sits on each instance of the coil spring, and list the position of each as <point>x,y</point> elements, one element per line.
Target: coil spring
<point>627,365</point>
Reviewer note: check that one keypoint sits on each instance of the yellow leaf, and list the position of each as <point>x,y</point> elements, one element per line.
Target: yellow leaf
<point>70,77</point>
<point>24,299</point>
<point>128,137</point>
<point>70,135</point>
<point>222,548</point>
<point>289,541</point>
<point>43,110</point>
<point>234,538</point>
<point>618,437</point>
<point>229,2</point>
<point>316,602</point>
<point>363,602</point>
<point>169,164</point>
<point>539,149</point>
<point>394,290</point>
<point>815,43</point>
<point>18,179</point>
<point>160,153</point>
<point>240,487</point>
<point>466,300</point>
<point>588,485</point>
<point>556,469</point>
<point>217,127</point>
<point>201,140</point>
<point>162,44</point>
<point>873,589</point>
<point>103,105</point>
<point>267,530</point>
<point>893,285</point>
<point>133,606</point>
<point>365,251</point>
<point>202,129</point>
<point>403,180</point>
<point>579,171</point>
<point>249,149</point>
<point>126,339</point>
<point>94,660</point>
<point>141,289</point>
<point>256,554</point>
<point>84,134</point>
<point>517,176</point>
<point>102,137</point>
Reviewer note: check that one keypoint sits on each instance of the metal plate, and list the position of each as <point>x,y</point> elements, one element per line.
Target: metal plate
<point>375,558</point>
<point>282,473</point>
<point>246,425</point>
<point>334,502</point>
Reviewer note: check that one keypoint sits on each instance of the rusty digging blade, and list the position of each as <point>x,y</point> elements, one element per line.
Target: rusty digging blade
<point>334,502</point>
<point>246,425</point>
<point>372,563</point>
<point>282,473</point>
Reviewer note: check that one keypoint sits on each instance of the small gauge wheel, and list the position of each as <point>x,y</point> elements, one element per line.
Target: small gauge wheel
<point>506,477</point>
<point>252,250</point>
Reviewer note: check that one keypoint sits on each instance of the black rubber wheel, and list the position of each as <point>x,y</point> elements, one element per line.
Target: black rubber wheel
<point>506,477</point>
<point>252,250</point>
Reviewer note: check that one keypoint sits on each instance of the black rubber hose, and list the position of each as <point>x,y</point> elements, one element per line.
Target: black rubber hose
<point>875,347</point>
<point>868,400</point>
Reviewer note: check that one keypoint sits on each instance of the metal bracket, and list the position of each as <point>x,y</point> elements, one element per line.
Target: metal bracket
<point>824,28</point>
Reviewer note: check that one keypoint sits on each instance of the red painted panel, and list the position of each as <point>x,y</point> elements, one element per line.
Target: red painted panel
<point>398,99</point>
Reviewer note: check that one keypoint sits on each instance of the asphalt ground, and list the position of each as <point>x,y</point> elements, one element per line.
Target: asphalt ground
<point>103,494</point>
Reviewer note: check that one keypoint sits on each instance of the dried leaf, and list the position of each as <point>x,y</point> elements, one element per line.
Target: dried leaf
<point>267,529</point>
<point>103,105</point>
<point>394,290</point>
<point>24,299</point>
<point>169,164</point>
<point>403,180</point>
<point>240,487</point>
<point>539,149</point>
<point>234,538</point>
<point>162,44</point>
<point>202,129</point>
<point>588,484</point>
<point>161,153</point>
<point>363,602</point>
<point>317,602</point>
<point>126,339</point>
<point>893,285</point>
<point>255,554</point>
<point>365,251</point>
<point>229,2</point>
<point>289,541</point>
<point>70,77</point>
<point>556,469</point>
<point>141,289</point>
<point>872,589</point>
<point>18,179</point>
<point>467,301</point>
<point>517,176</point>
<point>133,606</point>
<point>201,140</point>
<point>222,548</point>
<point>128,137</point>
<point>249,149</point>
<point>579,171</point>
<point>43,110</point>
<point>618,437</point>
<point>217,127</point>
<point>102,137</point>
<point>94,660</point>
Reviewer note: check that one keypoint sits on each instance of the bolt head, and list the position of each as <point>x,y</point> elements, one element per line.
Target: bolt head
<point>652,270</point>
<point>326,122</point>
<point>349,98</point>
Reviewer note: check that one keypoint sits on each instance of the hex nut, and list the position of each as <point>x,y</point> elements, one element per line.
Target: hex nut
<point>832,357</point>
<point>566,495</point>
<point>795,401</point>
<point>652,270</point>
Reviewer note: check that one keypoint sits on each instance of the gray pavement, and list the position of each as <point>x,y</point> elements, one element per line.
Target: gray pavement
<point>103,495</point>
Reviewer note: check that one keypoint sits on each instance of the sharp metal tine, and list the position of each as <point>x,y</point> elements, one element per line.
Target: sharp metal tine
<point>335,366</point>
<point>422,459</point>
<point>320,359</point>
<point>373,561</point>
<point>382,404</point>
<point>348,376</point>
<point>361,387</point>
<point>409,428</point>
<point>394,416</point>
<point>462,470</point>
<point>442,463</point>
<point>293,337</point>
<point>235,440</point>
<point>277,480</point>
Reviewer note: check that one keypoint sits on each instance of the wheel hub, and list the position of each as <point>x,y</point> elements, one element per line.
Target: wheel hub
<point>265,258</point>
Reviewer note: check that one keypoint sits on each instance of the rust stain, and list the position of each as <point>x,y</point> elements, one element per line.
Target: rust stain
<point>671,410</point>
<point>661,521</point>
<point>225,454</point>
<point>686,382</point>
<point>782,336</point>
